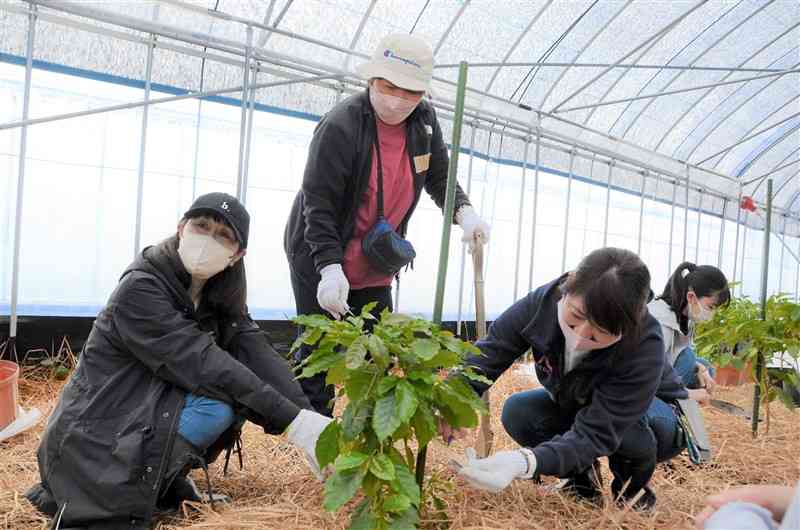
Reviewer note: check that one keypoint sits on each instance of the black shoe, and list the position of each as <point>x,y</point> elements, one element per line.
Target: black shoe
<point>645,503</point>
<point>586,486</point>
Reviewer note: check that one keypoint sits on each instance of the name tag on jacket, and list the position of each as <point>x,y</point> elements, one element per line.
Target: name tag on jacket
<point>422,162</point>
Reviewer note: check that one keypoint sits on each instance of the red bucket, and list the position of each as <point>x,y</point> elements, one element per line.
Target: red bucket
<point>9,393</point>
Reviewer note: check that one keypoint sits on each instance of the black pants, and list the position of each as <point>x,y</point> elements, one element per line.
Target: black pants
<point>304,284</point>
<point>532,417</point>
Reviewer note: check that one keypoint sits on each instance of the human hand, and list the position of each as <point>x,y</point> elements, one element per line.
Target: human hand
<point>775,499</point>
<point>449,433</point>
<point>705,379</point>
<point>476,230</point>
<point>304,432</point>
<point>332,290</point>
<point>497,471</point>
<point>700,395</point>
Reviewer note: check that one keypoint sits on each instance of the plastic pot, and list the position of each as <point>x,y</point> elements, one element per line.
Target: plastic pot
<point>9,393</point>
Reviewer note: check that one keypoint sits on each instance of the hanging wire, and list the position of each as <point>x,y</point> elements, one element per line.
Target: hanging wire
<point>421,12</point>
<point>535,69</point>
<point>205,48</point>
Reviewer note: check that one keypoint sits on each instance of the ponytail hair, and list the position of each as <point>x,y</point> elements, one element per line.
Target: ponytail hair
<point>703,280</point>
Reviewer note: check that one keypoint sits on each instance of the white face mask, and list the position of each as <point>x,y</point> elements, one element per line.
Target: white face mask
<point>574,343</point>
<point>202,255</point>
<point>391,109</point>
<point>700,313</point>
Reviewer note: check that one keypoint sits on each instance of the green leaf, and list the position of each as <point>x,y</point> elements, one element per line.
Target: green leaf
<point>465,393</point>
<point>341,487</point>
<point>424,424</point>
<point>397,503</point>
<point>358,383</point>
<point>387,383</point>
<point>406,400</point>
<point>327,448</point>
<point>408,520</point>
<point>384,419</point>
<point>443,359</point>
<point>320,365</point>
<point>395,319</point>
<point>455,411</point>
<point>382,467</point>
<point>366,311</point>
<point>356,352</point>
<point>378,350</point>
<point>349,461</point>
<point>363,518</point>
<point>425,349</point>
<point>470,374</point>
<point>312,336</point>
<point>337,374</point>
<point>406,483</point>
<point>354,419</point>
<point>424,376</point>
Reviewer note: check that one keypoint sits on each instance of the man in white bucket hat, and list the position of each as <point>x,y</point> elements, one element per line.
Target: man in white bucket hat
<point>387,135</point>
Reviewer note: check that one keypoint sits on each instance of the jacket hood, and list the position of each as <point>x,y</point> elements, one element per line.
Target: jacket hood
<point>163,262</point>
<point>662,312</point>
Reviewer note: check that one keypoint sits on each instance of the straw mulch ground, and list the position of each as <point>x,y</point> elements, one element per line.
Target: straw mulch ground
<point>276,491</point>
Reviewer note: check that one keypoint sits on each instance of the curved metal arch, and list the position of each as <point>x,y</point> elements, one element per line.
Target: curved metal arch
<point>702,54</point>
<point>265,37</point>
<point>777,167</point>
<point>675,55</point>
<point>621,77</point>
<point>761,151</point>
<point>580,52</point>
<point>753,128</point>
<point>357,35</point>
<point>724,100</point>
<point>449,28</point>
<point>732,112</point>
<point>648,42</point>
<point>516,44</point>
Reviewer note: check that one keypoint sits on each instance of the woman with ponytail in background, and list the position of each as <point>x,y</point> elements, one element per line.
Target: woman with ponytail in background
<point>691,295</point>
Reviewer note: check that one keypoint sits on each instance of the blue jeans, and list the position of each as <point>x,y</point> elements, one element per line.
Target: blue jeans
<point>203,420</point>
<point>664,423</point>
<point>686,367</point>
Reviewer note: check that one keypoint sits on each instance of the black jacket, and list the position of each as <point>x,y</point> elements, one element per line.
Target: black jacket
<point>104,452</point>
<point>608,391</point>
<point>337,172</point>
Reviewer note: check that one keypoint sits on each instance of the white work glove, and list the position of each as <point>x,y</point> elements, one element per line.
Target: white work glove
<point>476,230</point>
<point>496,472</point>
<point>332,290</point>
<point>304,431</point>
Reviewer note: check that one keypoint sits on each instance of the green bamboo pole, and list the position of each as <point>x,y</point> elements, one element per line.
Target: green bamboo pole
<point>449,206</point>
<point>764,277</point>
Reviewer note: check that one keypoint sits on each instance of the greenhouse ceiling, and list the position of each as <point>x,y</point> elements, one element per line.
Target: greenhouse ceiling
<point>703,94</point>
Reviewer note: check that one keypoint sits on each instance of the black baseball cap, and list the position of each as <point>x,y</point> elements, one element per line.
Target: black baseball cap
<point>226,206</point>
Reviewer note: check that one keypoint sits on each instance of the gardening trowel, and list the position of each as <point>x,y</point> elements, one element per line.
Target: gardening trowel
<point>730,408</point>
<point>483,445</point>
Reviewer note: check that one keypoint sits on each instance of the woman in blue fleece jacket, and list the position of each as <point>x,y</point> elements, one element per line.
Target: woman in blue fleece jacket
<point>600,359</point>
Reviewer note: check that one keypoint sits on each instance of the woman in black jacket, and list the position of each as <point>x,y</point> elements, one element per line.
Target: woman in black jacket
<point>172,362</point>
<point>371,156</point>
<point>600,359</point>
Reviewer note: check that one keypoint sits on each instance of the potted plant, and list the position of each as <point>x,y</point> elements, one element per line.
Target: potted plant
<point>738,336</point>
<point>398,382</point>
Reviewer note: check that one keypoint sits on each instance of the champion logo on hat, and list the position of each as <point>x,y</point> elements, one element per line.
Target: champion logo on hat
<point>389,54</point>
<point>224,206</point>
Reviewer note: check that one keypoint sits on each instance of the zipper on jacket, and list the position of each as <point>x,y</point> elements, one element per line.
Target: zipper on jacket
<point>168,449</point>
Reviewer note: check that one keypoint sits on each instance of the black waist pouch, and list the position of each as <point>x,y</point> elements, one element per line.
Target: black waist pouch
<point>385,249</point>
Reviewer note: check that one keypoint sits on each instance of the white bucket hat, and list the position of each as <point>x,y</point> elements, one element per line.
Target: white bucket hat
<point>404,60</point>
